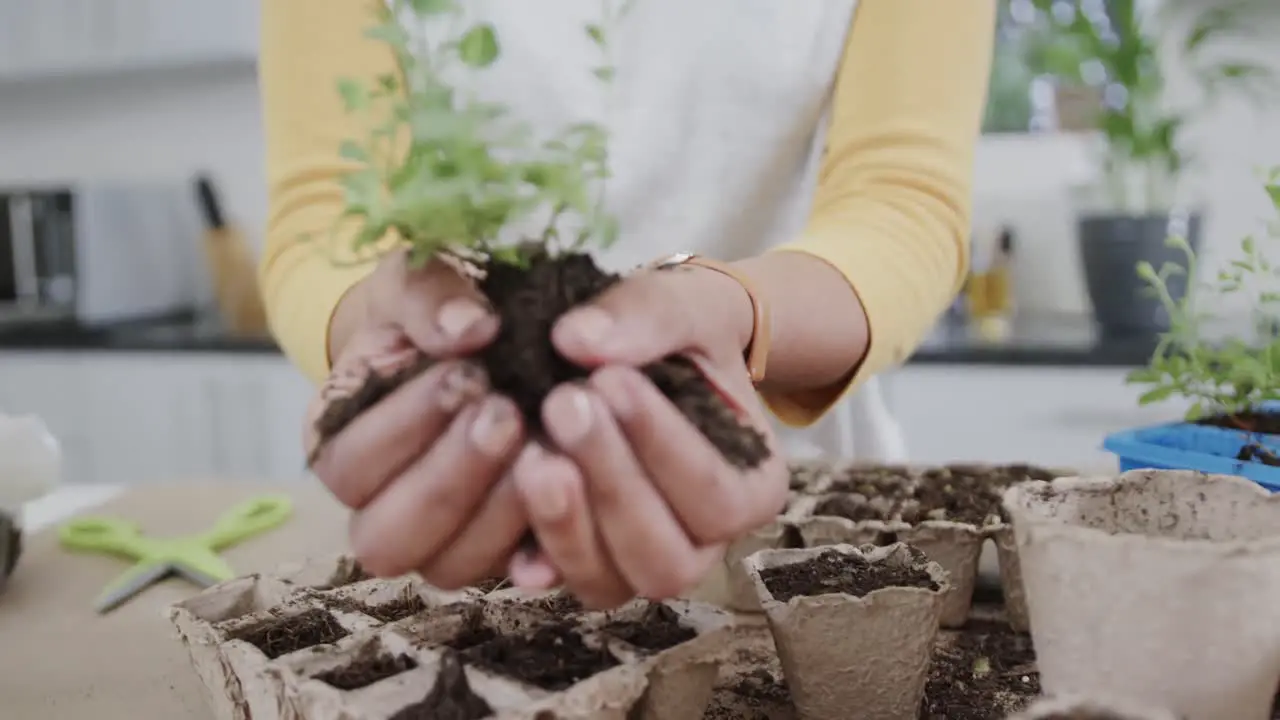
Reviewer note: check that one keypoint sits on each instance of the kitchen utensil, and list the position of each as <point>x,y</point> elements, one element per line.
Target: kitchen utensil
<point>193,557</point>
<point>232,267</point>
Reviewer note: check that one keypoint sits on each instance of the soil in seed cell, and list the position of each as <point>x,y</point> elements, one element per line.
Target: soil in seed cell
<point>367,670</point>
<point>988,673</point>
<point>451,698</point>
<point>552,657</point>
<point>874,481</point>
<point>406,605</point>
<point>836,572</point>
<point>280,636</point>
<point>967,494</point>
<point>855,508</point>
<point>656,630</point>
<point>472,635</point>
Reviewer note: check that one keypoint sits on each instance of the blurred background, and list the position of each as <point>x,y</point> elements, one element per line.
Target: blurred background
<point>132,207</point>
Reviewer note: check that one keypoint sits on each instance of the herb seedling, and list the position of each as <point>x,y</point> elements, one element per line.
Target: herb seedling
<point>1229,380</point>
<point>443,174</point>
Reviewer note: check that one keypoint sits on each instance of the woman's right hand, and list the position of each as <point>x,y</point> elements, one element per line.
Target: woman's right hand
<point>423,470</point>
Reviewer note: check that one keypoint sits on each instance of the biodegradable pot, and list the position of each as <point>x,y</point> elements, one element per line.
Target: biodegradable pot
<point>387,645</point>
<point>1155,586</point>
<point>956,547</point>
<point>1091,709</point>
<point>1015,597</point>
<point>1111,246</point>
<point>840,652</point>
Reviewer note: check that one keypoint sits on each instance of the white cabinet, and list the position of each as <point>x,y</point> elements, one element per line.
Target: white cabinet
<point>137,418</point>
<point>1046,415</point>
<point>68,38</point>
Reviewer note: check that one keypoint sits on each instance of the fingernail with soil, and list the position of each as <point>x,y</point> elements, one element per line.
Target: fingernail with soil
<point>494,428</point>
<point>458,316</point>
<point>462,382</point>
<point>590,325</point>
<point>569,415</point>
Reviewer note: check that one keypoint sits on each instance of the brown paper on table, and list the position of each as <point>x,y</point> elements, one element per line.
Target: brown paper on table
<point>59,660</point>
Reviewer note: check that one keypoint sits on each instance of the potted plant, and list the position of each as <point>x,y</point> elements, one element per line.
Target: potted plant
<point>1155,587</point>
<point>446,176</point>
<point>1232,425</point>
<point>1116,50</point>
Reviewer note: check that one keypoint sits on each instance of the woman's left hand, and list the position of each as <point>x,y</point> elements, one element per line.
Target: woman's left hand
<point>632,499</point>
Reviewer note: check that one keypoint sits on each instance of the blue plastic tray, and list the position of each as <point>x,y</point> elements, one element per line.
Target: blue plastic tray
<point>1185,446</point>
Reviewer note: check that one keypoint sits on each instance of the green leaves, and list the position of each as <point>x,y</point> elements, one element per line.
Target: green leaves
<point>443,170</point>
<point>478,47</point>
<point>1218,376</point>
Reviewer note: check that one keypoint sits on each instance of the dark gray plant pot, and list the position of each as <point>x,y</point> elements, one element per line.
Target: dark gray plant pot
<point>1111,246</point>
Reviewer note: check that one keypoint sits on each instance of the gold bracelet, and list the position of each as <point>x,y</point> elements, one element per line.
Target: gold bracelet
<point>757,350</point>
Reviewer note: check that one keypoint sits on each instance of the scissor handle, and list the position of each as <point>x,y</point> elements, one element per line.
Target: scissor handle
<point>248,519</point>
<point>100,534</point>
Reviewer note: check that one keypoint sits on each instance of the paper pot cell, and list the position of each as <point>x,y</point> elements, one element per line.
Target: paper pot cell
<point>1158,587</point>
<point>1065,708</point>
<point>854,628</point>
<point>380,649</point>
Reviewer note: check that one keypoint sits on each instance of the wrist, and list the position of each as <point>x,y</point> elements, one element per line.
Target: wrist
<point>726,299</point>
<point>350,313</point>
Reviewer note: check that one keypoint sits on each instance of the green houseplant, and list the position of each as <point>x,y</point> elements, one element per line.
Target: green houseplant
<point>1232,384</point>
<point>1132,53</point>
<point>446,175</point>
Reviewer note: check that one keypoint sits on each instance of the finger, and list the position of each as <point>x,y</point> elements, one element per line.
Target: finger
<point>534,571</point>
<point>385,439</point>
<point>422,510</point>
<point>647,543</point>
<point>486,544</point>
<point>553,493</point>
<point>646,318</point>
<point>440,310</point>
<point>712,500</point>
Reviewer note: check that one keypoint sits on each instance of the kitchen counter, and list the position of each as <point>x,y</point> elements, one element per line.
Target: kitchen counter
<point>1049,341</point>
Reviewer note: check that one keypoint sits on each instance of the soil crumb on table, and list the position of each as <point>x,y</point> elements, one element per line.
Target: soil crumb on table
<point>367,670</point>
<point>280,636</point>
<point>451,698</point>
<point>987,673</point>
<point>552,657</point>
<point>658,629</point>
<point>836,572</point>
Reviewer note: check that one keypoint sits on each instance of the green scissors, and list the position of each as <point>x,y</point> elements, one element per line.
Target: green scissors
<point>194,557</point>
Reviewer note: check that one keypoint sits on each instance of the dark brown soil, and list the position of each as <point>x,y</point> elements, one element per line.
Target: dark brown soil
<point>471,636</point>
<point>1258,453</point>
<point>656,630</point>
<point>851,508</point>
<point>281,636</point>
<point>873,481</point>
<point>835,572</point>
<point>367,670</point>
<point>407,605</point>
<point>12,546</point>
<point>1265,423</point>
<point>451,698</point>
<point>969,494</point>
<point>988,674</point>
<point>523,365</point>
<point>552,657</point>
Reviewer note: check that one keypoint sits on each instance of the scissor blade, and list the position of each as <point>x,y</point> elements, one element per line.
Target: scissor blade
<point>193,575</point>
<point>131,583</point>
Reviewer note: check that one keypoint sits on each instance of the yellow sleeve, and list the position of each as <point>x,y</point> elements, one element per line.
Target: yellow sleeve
<point>892,208</point>
<point>305,48</point>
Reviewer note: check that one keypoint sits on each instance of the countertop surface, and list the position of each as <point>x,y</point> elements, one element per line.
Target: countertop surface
<point>1049,340</point>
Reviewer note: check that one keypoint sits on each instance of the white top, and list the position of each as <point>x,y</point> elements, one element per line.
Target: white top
<point>700,164</point>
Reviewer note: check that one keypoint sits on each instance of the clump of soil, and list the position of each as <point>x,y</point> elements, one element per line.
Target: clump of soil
<point>471,636</point>
<point>522,364</point>
<point>280,636</point>
<point>451,698</point>
<point>367,670</point>
<point>859,509</point>
<point>1258,453</point>
<point>406,605</point>
<point>987,674</point>
<point>875,481</point>
<point>658,629</point>
<point>836,572</point>
<point>552,657</point>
